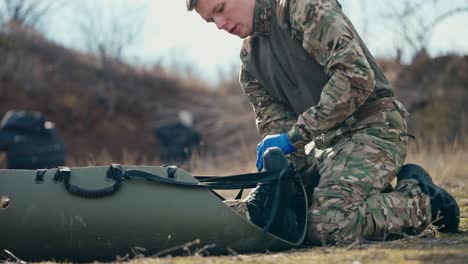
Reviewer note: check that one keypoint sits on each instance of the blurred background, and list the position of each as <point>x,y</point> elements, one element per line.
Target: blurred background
<point>146,82</point>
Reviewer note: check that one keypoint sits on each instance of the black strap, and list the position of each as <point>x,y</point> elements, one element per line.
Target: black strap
<point>239,195</point>
<point>115,173</point>
<point>40,175</point>
<point>255,176</point>
<point>233,182</point>
<point>171,171</point>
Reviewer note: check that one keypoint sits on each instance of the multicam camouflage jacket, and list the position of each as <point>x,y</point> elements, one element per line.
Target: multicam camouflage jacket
<point>305,69</point>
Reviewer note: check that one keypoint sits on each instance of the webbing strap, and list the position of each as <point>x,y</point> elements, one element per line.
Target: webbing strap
<point>117,174</point>
<point>233,182</point>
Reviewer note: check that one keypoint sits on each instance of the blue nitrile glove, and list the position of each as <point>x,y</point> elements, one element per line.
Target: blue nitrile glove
<point>280,140</point>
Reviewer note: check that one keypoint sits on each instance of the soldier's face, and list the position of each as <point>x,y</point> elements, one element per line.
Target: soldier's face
<point>234,16</point>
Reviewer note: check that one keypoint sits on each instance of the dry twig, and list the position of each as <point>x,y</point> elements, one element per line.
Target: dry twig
<point>11,255</point>
<point>185,247</point>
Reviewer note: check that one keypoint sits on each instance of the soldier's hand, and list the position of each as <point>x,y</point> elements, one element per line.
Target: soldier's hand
<point>280,140</point>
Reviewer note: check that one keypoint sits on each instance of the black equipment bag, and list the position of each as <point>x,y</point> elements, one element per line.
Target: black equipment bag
<point>36,153</point>
<point>30,141</point>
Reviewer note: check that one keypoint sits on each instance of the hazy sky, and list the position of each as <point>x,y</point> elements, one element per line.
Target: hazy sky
<point>171,35</point>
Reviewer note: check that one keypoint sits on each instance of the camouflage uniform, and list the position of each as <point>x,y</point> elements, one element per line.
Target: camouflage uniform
<point>307,73</point>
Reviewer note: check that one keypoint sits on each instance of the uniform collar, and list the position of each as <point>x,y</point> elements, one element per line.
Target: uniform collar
<point>262,17</point>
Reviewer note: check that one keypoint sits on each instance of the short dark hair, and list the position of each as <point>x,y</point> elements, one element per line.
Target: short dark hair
<point>190,4</point>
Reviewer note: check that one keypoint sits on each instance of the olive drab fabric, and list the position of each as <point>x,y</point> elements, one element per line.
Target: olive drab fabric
<point>307,73</point>
<point>43,220</point>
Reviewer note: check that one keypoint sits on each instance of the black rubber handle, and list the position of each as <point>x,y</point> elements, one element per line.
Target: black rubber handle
<point>64,174</point>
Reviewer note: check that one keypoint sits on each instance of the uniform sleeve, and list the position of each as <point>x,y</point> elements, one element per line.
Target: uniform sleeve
<point>331,40</point>
<point>272,117</point>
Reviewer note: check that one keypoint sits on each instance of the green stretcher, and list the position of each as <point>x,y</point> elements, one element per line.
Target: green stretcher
<point>100,213</point>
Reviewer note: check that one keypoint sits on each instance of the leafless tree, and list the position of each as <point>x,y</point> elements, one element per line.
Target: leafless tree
<point>416,19</point>
<point>107,29</point>
<point>25,12</point>
<point>20,22</point>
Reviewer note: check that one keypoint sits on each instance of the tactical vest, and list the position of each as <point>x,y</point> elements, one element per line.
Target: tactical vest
<point>290,74</point>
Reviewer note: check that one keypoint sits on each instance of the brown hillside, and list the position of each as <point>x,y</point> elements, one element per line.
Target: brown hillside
<point>436,92</point>
<point>110,108</point>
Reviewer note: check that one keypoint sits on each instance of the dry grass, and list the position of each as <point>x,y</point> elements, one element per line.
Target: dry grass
<point>456,254</point>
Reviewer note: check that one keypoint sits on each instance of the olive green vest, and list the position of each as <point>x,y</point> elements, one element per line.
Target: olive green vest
<point>290,74</point>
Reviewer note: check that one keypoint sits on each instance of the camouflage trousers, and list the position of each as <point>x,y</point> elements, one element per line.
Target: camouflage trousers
<point>348,203</point>
<point>355,168</point>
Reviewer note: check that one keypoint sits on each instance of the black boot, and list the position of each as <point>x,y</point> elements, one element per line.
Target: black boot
<point>443,206</point>
<point>261,202</point>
